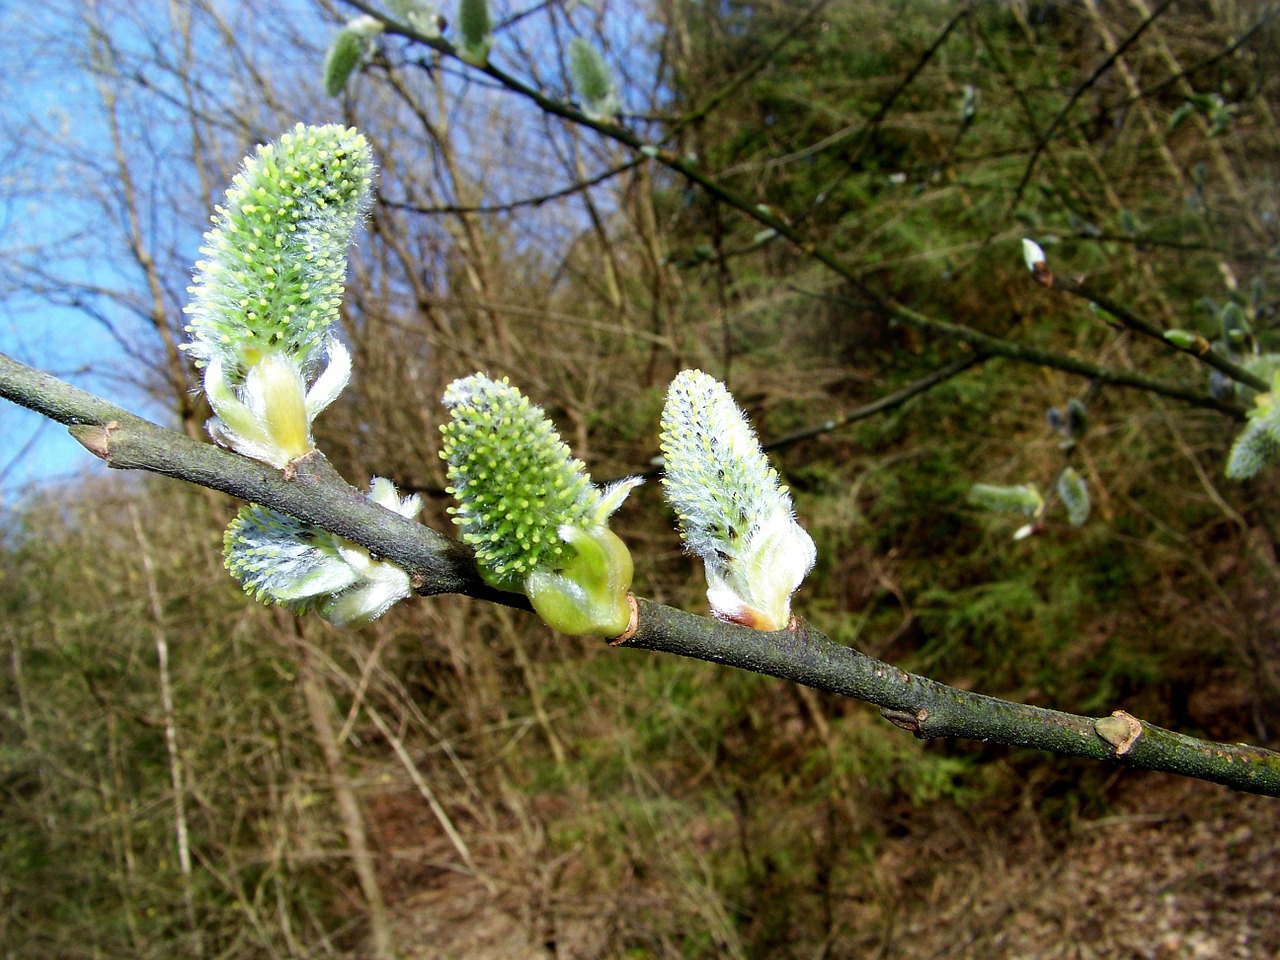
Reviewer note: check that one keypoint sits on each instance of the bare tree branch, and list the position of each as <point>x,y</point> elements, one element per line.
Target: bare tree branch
<point>311,490</point>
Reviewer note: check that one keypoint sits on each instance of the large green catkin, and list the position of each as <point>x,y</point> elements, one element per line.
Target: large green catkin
<point>733,511</point>
<point>715,477</point>
<point>275,261</point>
<point>515,480</point>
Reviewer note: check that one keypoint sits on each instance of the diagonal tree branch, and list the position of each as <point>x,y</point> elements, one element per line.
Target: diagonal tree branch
<point>311,490</point>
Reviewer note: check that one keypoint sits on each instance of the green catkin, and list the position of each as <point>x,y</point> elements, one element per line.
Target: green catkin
<point>280,559</point>
<point>475,31</point>
<point>1259,442</point>
<point>345,54</point>
<point>515,480</point>
<point>530,513</point>
<point>275,261</point>
<point>732,509</point>
<point>591,78</point>
<point>1074,495</point>
<point>1023,498</point>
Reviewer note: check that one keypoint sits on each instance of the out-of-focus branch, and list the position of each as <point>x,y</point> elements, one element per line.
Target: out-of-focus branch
<point>535,201</point>
<point>998,347</point>
<point>312,491</point>
<point>784,228</point>
<point>1043,141</point>
<point>1209,356</point>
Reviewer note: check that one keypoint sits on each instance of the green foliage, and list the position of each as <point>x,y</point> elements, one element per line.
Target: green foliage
<point>87,849</point>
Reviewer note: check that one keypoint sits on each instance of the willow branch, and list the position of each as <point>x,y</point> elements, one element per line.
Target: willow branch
<point>1133,321</point>
<point>311,491</point>
<point>931,709</point>
<point>1022,353</point>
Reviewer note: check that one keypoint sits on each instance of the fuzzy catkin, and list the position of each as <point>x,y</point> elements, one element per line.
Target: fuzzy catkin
<point>275,261</point>
<point>716,479</point>
<point>515,480</point>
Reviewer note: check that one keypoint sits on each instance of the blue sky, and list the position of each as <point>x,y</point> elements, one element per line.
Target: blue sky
<point>52,223</point>
<point>61,341</point>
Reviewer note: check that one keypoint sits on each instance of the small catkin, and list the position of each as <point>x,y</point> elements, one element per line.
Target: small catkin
<point>1022,498</point>
<point>1074,495</point>
<point>345,54</point>
<point>591,79</point>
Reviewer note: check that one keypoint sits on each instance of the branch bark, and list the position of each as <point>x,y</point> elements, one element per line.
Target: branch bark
<point>801,654</point>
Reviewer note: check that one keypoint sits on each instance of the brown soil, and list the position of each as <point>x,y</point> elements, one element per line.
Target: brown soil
<point>1178,870</point>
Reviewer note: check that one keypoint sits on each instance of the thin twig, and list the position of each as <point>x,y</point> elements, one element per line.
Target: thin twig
<point>1043,140</point>
<point>1133,321</point>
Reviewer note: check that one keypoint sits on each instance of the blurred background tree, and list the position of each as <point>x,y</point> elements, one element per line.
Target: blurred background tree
<point>186,772</point>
